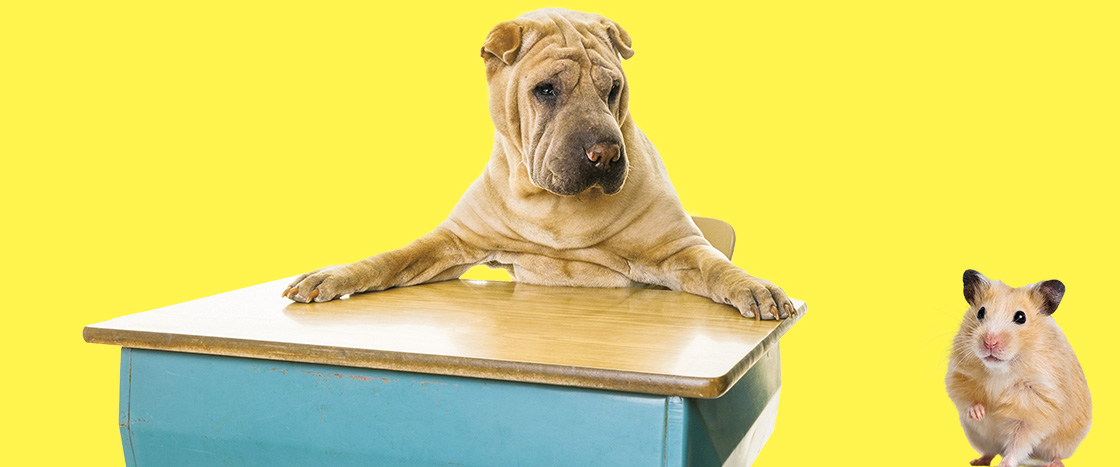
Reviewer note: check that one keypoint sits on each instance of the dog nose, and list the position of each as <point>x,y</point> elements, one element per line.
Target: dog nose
<point>602,155</point>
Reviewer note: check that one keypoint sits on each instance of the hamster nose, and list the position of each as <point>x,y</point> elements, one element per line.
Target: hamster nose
<point>991,341</point>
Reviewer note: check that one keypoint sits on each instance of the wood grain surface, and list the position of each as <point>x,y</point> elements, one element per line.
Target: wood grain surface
<point>636,340</point>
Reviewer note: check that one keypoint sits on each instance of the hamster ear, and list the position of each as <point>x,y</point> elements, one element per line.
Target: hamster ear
<point>503,42</point>
<point>1050,292</point>
<point>620,39</point>
<point>974,283</point>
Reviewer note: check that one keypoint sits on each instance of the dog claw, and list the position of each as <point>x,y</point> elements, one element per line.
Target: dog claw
<point>314,293</point>
<point>289,291</point>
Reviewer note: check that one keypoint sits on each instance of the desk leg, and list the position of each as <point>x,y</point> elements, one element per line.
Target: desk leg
<point>731,430</point>
<point>124,418</point>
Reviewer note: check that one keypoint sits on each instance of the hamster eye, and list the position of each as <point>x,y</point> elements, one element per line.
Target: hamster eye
<point>980,314</point>
<point>1020,317</point>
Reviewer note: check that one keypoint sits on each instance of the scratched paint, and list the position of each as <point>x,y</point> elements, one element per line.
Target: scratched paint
<point>320,375</point>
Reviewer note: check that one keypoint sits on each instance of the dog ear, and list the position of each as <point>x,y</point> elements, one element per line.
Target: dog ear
<point>503,42</point>
<point>620,39</point>
<point>1050,293</point>
<point>974,283</point>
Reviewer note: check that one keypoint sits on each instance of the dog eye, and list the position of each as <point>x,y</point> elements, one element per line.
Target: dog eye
<point>1020,317</point>
<point>545,90</point>
<point>614,91</point>
<point>980,314</point>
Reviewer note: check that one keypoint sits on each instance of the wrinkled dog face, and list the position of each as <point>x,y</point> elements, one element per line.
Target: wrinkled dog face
<point>557,91</point>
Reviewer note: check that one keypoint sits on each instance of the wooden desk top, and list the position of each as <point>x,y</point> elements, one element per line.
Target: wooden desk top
<point>636,340</point>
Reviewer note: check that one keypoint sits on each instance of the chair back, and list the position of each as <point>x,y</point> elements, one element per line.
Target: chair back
<point>719,233</point>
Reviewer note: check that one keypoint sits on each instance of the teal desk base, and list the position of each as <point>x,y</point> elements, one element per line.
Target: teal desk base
<point>181,409</point>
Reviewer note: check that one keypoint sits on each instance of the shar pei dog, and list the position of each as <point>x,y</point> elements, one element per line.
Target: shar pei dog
<point>574,193</point>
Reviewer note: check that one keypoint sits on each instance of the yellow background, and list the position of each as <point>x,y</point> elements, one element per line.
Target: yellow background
<point>867,153</point>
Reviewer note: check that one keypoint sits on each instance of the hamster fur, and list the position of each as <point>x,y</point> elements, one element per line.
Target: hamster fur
<point>1013,376</point>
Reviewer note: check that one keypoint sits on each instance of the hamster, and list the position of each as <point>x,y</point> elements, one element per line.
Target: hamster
<point>1013,376</point>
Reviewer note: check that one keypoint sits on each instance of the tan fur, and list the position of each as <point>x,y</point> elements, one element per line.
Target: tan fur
<point>1034,404</point>
<point>512,216</point>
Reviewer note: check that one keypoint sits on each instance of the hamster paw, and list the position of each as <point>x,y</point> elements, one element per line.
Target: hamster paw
<point>976,412</point>
<point>1055,463</point>
<point>986,460</point>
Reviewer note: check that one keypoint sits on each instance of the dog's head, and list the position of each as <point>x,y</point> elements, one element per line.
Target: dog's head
<point>558,94</point>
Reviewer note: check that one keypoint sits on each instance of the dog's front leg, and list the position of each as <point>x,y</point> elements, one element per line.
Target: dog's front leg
<point>440,255</point>
<point>703,270</point>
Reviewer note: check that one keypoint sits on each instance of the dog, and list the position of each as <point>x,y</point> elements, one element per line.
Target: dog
<point>574,193</point>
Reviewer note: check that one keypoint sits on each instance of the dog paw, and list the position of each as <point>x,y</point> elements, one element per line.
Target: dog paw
<point>976,412</point>
<point>322,285</point>
<point>760,299</point>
